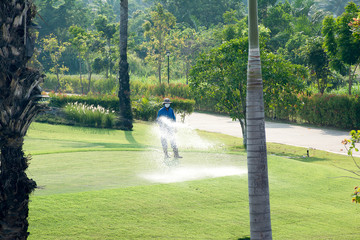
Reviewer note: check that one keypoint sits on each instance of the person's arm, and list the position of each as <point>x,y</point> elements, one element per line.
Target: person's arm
<point>158,117</point>
<point>173,115</point>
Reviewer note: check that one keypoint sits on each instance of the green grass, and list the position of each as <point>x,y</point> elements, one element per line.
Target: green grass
<point>92,187</point>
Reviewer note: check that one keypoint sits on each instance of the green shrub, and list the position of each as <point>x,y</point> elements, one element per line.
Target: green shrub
<point>340,111</point>
<point>183,106</point>
<point>139,88</point>
<point>89,115</point>
<point>110,102</point>
<point>145,109</point>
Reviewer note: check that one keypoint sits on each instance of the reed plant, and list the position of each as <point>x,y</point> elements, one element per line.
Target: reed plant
<point>90,115</point>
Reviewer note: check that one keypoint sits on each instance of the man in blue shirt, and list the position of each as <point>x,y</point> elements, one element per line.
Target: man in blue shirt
<point>166,120</point>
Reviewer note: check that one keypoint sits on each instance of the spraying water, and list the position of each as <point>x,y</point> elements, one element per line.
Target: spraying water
<point>195,165</point>
<point>189,173</point>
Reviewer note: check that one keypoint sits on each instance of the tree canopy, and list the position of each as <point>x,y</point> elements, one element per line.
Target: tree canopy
<point>221,75</point>
<point>186,29</point>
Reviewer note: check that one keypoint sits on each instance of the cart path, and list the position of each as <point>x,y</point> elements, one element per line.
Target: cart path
<point>295,135</point>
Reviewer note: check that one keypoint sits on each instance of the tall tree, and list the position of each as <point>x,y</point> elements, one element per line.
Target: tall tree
<point>55,49</point>
<point>192,12</point>
<point>88,45</point>
<point>279,20</point>
<point>259,200</point>
<point>318,62</point>
<point>58,16</point>
<point>189,45</point>
<point>340,43</point>
<point>335,7</point>
<point>107,30</point>
<point>157,30</point>
<point>225,68</point>
<point>19,92</point>
<point>77,40</point>
<point>126,117</point>
<point>264,6</point>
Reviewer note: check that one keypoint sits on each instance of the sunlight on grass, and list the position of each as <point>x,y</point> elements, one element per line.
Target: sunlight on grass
<point>109,184</point>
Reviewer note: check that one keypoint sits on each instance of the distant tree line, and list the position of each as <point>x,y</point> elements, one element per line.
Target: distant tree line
<point>82,37</point>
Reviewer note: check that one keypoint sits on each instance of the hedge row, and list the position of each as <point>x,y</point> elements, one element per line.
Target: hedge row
<point>340,111</point>
<point>143,108</point>
<point>110,102</point>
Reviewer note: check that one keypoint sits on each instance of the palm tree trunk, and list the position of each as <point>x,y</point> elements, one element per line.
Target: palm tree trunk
<point>126,117</point>
<point>260,222</point>
<point>15,189</point>
<point>19,92</point>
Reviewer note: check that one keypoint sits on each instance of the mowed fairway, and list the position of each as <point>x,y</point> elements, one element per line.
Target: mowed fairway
<point>110,184</point>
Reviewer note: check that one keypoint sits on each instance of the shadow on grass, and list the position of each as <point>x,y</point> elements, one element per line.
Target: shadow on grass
<point>244,238</point>
<point>300,158</point>
<point>117,145</point>
<point>130,138</point>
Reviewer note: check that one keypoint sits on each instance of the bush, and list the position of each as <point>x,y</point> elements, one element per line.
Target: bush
<point>145,109</point>
<point>341,111</point>
<point>105,86</point>
<point>90,116</point>
<point>183,107</point>
<point>110,102</point>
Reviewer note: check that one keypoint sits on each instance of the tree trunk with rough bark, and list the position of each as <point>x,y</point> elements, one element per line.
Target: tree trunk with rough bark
<point>126,117</point>
<point>19,95</point>
<point>260,222</point>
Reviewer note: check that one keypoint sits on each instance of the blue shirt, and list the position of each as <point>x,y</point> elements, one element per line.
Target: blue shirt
<point>169,113</point>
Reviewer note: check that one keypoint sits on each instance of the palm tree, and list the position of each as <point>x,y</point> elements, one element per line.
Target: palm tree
<point>260,222</point>
<point>126,117</point>
<point>19,95</point>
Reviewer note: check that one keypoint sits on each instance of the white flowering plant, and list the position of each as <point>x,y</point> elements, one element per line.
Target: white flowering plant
<point>90,115</point>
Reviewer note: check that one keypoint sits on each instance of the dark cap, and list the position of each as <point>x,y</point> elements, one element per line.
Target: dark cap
<point>166,100</point>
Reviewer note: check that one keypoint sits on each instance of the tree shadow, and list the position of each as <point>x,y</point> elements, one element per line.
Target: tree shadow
<point>300,158</point>
<point>244,238</point>
<point>129,137</point>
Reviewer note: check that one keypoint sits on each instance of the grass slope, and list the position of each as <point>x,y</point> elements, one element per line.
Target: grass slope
<point>92,188</point>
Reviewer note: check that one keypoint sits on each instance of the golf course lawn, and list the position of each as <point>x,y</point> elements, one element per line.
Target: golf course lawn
<point>111,184</point>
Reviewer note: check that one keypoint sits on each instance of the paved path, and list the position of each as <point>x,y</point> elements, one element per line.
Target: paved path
<point>308,137</point>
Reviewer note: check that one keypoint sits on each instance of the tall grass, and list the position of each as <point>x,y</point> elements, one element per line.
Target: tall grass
<point>100,84</point>
<point>355,90</point>
<point>90,115</point>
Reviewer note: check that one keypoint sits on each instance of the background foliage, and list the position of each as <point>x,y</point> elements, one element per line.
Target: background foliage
<point>308,47</point>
